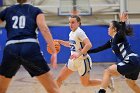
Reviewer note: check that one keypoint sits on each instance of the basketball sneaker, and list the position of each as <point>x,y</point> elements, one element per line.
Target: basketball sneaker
<point>101,91</point>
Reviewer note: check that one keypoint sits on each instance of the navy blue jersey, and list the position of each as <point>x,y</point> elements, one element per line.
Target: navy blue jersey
<point>20,21</point>
<point>119,45</point>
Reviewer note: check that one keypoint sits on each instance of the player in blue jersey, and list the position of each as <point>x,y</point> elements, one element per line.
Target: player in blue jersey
<point>22,47</point>
<point>129,66</point>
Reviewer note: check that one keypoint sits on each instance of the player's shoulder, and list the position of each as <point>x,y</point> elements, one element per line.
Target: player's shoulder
<point>32,6</point>
<point>79,30</point>
<point>8,8</point>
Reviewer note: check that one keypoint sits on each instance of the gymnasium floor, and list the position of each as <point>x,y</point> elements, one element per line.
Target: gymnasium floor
<point>23,83</point>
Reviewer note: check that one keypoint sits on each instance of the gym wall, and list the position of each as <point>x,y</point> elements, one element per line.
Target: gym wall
<point>97,34</point>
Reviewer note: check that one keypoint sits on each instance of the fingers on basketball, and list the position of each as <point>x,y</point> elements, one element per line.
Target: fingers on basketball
<point>57,47</point>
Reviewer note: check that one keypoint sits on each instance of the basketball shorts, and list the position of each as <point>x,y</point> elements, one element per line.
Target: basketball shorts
<point>131,69</point>
<point>26,54</point>
<point>83,66</point>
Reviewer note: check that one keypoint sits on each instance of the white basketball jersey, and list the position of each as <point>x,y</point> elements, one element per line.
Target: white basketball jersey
<point>76,39</point>
<point>83,64</point>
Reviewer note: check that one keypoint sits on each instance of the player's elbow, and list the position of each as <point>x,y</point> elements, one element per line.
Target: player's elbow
<point>41,23</point>
<point>43,29</point>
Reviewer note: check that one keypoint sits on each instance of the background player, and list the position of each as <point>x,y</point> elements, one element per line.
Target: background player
<point>22,47</point>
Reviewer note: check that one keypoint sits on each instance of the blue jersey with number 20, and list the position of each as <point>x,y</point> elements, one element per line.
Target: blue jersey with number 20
<point>21,21</point>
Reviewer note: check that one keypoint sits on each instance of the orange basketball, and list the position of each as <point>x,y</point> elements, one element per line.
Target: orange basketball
<point>57,47</point>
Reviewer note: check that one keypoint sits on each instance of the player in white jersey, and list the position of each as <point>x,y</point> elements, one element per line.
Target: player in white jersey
<point>79,59</point>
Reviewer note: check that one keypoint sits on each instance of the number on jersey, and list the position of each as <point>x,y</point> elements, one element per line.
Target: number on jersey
<point>19,22</point>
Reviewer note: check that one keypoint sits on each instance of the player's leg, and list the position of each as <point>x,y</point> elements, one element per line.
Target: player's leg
<point>4,83</point>
<point>48,82</point>
<point>131,80</point>
<point>63,75</point>
<point>35,64</point>
<point>132,84</point>
<point>9,66</point>
<point>111,71</point>
<point>84,72</point>
<point>134,70</point>
<point>85,80</point>
<point>42,72</point>
<point>111,85</point>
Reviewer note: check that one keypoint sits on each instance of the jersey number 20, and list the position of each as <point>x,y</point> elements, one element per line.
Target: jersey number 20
<point>19,22</point>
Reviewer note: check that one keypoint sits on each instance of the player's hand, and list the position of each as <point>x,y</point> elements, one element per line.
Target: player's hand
<point>54,60</point>
<point>75,55</point>
<point>123,17</point>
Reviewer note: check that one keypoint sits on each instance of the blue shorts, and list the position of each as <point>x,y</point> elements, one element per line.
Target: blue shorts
<point>131,69</point>
<point>26,54</point>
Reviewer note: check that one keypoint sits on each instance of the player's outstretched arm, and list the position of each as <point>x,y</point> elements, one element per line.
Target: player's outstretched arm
<point>64,43</point>
<point>48,37</point>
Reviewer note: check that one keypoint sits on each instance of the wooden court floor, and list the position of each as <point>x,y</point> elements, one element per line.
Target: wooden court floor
<point>23,83</point>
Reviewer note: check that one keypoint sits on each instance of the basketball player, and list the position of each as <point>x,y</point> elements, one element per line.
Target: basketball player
<point>22,47</point>
<point>129,66</point>
<point>79,59</point>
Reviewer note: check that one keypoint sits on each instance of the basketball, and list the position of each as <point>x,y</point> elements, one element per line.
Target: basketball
<point>57,47</point>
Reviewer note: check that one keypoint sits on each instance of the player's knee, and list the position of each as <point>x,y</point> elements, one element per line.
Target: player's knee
<point>59,80</point>
<point>107,71</point>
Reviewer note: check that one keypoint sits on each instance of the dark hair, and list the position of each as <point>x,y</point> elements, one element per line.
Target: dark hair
<point>77,18</point>
<point>21,1</point>
<point>128,29</point>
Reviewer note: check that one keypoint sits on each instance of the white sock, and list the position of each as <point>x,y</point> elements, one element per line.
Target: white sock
<point>102,88</point>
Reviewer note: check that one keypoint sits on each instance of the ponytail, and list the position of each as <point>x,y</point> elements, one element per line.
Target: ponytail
<point>129,30</point>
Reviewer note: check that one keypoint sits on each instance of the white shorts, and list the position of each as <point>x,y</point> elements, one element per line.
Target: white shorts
<point>83,66</point>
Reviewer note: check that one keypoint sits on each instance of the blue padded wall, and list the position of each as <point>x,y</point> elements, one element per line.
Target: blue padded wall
<point>97,34</point>
<point>1,2</point>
